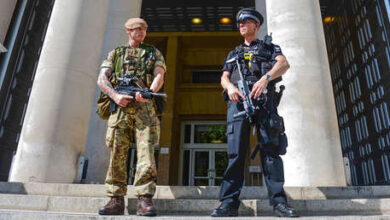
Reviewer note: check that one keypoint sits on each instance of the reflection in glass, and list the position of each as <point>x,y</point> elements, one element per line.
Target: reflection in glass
<point>215,134</point>
<point>186,167</point>
<point>201,163</point>
<point>217,182</point>
<point>221,162</point>
<point>201,182</point>
<point>187,134</point>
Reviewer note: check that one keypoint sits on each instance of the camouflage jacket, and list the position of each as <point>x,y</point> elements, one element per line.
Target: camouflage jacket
<point>139,61</point>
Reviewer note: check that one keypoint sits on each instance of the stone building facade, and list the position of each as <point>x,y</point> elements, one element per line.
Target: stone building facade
<point>48,125</point>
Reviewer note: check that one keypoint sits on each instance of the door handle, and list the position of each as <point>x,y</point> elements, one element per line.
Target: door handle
<point>211,173</point>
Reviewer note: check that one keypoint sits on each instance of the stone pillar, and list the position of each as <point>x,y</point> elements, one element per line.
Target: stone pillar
<point>6,11</point>
<point>314,153</point>
<point>168,118</point>
<point>261,7</point>
<point>97,153</point>
<point>55,128</point>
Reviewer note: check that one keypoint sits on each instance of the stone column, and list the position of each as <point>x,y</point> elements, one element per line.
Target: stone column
<point>97,153</point>
<point>6,11</point>
<point>55,128</point>
<point>314,153</point>
<point>261,7</point>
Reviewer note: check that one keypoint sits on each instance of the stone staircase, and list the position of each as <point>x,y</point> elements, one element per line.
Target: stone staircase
<point>81,201</point>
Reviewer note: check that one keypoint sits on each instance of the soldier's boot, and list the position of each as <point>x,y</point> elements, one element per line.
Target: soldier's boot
<point>145,206</point>
<point>116,206</point>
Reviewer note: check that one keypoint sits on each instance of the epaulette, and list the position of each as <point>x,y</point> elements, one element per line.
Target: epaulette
<point>147,47</point>
<point>239,49</point>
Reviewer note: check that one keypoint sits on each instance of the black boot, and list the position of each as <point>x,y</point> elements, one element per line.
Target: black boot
<point>283,210</point>
<point>225,210</point>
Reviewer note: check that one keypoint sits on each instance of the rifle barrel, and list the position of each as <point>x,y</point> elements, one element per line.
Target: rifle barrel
<point>160,94</point>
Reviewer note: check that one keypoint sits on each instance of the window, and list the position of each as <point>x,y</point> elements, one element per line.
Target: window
<point>206,76</point>
<point>215,134</point>
<point>372,174</point>
<point>385,166</point>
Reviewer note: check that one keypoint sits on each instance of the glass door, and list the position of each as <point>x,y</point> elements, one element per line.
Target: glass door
<point>208,167</point>
<point>220,164</point>
<point>201,168</point>
<point>203,153</point>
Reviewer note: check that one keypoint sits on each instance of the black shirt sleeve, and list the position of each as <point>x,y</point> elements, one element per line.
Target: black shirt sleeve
<point>276,51</point>
<point>229,66</point>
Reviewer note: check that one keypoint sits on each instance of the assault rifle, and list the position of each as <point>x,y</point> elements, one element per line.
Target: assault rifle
<point>131,85</point>
<point>242,84</point>
<point>249,107</point>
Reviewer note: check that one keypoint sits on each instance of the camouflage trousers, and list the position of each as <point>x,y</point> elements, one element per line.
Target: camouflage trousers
<point>137,121</point>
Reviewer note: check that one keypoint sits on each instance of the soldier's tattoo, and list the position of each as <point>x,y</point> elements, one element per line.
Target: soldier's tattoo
<point>104,83</point>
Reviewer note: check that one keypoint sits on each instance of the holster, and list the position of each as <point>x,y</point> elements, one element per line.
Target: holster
<point>276,132</point>
<point>271,131</point>
<point>225,96</point>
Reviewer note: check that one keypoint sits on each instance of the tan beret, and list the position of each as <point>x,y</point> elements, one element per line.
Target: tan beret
<point>135,23</point>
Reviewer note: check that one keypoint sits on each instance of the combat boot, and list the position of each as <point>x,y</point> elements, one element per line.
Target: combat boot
<point>226,209</point>
<point>283,210</point>
<point>145,206</point>
<point>116,206</point>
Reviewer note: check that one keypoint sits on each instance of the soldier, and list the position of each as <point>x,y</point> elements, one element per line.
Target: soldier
<point>262,64</point>
<point>133,119</point>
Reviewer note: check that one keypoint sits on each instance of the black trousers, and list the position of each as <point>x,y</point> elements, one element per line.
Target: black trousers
<point>238,131</point>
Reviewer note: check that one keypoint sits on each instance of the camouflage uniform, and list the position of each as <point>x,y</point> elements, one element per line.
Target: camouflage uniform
<point>137,122</point>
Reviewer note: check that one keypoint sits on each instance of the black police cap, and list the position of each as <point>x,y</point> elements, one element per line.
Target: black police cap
<point>249,14</point>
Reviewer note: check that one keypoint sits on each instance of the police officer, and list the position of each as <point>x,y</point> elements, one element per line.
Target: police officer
<point>133,119</point>
<point>260,73</point>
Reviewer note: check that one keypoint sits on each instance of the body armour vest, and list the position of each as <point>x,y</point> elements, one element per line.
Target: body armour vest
<point>137,61</point>
<point>256,60</point>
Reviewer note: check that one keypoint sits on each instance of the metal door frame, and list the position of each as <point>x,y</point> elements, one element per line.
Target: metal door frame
<point>192,147</point>
<point>211,176</point>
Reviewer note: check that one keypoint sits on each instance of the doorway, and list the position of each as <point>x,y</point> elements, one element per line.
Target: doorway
<point>203,153</point>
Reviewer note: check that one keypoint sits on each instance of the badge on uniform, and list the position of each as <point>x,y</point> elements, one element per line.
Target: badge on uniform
<point>277,49</point>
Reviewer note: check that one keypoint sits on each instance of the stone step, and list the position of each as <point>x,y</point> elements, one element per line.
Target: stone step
<point>91,204</point>
<point>196,192</point>
<point>194,206</point>
<point>39,215</point>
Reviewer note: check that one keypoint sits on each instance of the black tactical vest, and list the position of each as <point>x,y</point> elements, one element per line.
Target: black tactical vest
<point>256,60</point>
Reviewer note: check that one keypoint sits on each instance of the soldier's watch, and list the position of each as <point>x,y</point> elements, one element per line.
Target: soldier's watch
<point>268,77</point>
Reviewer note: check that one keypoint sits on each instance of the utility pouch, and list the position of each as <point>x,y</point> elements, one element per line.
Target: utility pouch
<point>159,103</point>
<point>103,106</point>
<point>276,127</point>
<point>283,144</point>
<point>276,123</point>
<point>265,67</point>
